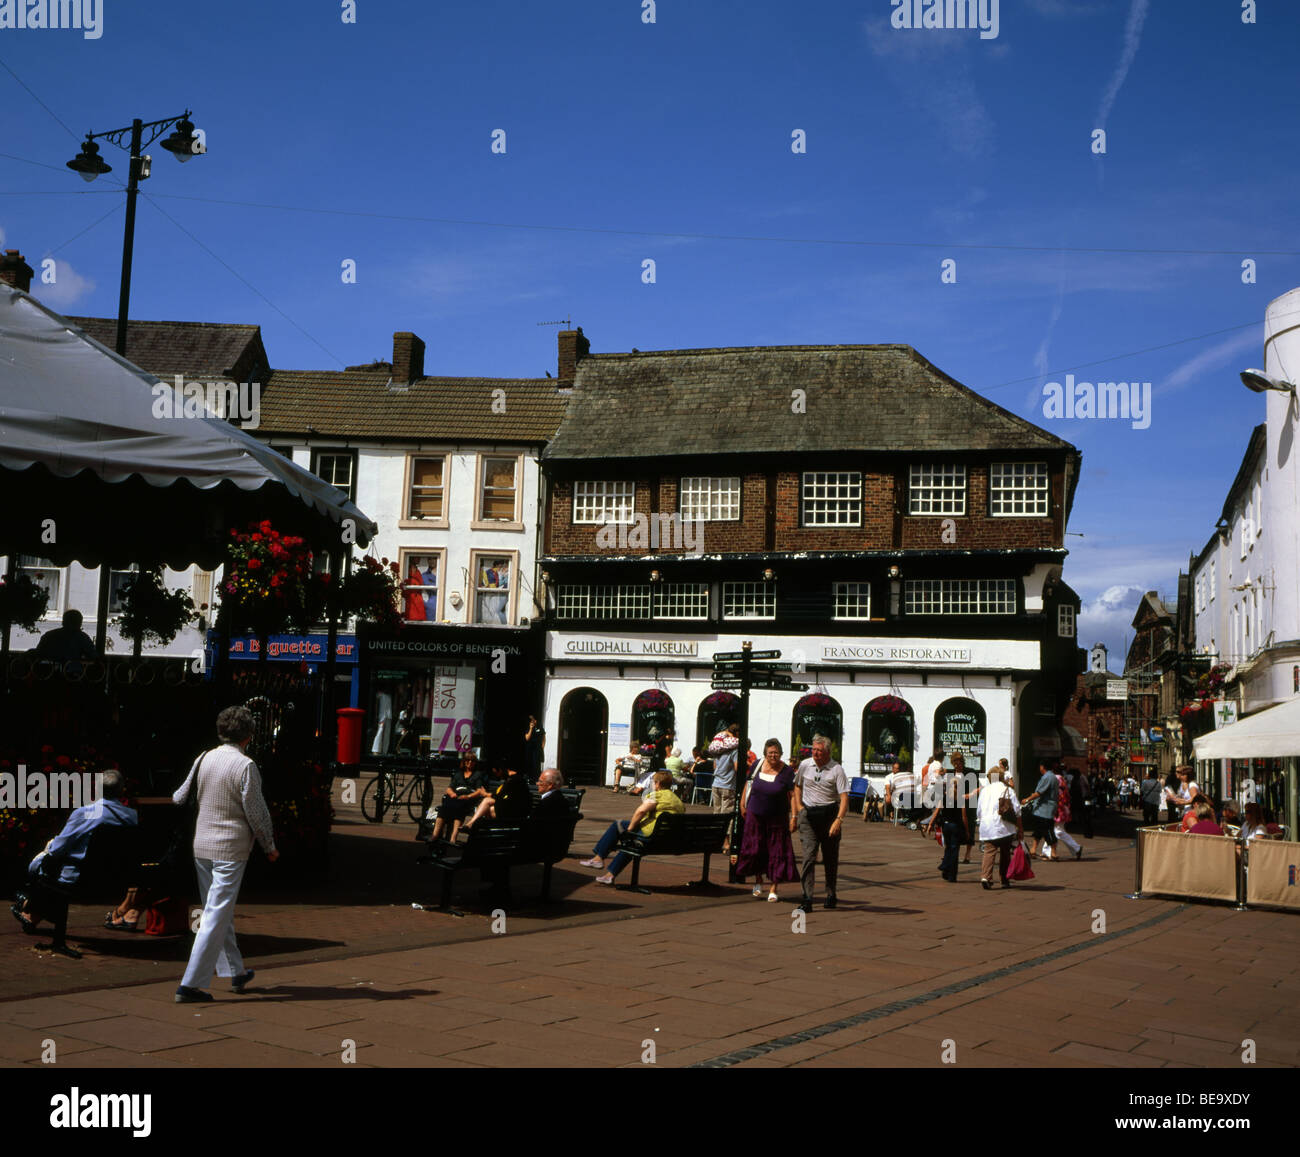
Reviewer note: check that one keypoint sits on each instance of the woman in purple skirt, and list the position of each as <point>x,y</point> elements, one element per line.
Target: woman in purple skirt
<point>768,810</point>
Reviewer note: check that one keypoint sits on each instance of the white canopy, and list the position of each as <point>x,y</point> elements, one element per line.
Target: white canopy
<point>76,408</point>
<point>1273,733</point>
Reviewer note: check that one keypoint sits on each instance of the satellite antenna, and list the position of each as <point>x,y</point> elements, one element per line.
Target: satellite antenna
<point>567,323</point>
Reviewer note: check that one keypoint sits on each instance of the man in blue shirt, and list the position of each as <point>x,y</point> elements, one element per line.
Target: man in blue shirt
<point>1043,812</point>
<point>68,848</point>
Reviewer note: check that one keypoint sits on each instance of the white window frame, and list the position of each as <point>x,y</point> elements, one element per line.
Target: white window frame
<point>515,522</point>
<point>959,596</point>
<point>407,520</point>
<point>929,485</point>
<point>36,565</point>
<point>757,600</point>
<point>115,586</point>
<point>1214,576</point>
<point>690,595</point>
<point>1022,489</point>
<point>1065,621</point>
<point>321,452</point>
<point>845,595</point>
<point>614,509</point>
<point>513,591</point>
<point>404,555</point>
<point>712,499</point>
<point>815,490</point>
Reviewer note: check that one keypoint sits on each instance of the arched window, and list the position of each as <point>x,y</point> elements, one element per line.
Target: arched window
<point>584,727</point>
<point>888,734</point>
<point>959,724</point>
<point>719,709</point>
<point>815,714</point>
<point>652,718</point>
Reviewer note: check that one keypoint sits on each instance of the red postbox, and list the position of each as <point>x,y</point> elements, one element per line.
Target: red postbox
<point>349,741</point>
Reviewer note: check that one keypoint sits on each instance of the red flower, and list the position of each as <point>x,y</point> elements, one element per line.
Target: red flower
<point>254,563</point>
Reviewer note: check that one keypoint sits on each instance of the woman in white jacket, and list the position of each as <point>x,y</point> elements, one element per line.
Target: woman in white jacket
<point>997,834</point>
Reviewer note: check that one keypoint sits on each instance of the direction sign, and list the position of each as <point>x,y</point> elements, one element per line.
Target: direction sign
<point>764,654</point>
<point>737,656</point>
<point>730,665</point>
<point>725,655</point>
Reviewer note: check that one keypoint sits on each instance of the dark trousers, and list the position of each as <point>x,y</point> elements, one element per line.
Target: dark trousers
<point>953,838</point>
<point>1150,813</point>
<point>1082,814</point>
<point>814,831</point>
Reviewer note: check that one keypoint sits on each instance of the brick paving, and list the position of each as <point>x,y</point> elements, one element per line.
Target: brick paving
<point>711,976</point>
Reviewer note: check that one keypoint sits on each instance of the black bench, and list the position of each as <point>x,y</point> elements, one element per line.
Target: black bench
<point>675,834</point>
<point>495,847</point>
<point>572,795</point>
<point>110,866</point>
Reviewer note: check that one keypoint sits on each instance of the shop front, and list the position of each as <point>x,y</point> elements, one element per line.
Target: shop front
<point>432,691</point>
<point>876,700</point>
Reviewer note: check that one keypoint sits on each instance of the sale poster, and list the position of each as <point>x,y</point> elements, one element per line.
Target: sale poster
<point>451,722</point>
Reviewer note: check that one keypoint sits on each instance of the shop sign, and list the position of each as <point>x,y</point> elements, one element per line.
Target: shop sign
<point>390,648</point>
<point>631,648</point>
<point>1117,689</point>
<point>892,653</point>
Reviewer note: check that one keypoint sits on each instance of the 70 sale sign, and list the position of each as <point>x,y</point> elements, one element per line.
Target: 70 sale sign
<point>451,726</point>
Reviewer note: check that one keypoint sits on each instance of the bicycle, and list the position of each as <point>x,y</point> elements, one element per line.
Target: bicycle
<point>417,795</point>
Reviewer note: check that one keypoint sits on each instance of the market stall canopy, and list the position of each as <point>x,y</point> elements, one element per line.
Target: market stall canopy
<point>90,471</point>
<point>1270,734</point>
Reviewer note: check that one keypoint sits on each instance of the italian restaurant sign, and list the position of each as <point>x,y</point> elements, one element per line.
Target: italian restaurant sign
<point>959,724</point>
<point>893,653</point>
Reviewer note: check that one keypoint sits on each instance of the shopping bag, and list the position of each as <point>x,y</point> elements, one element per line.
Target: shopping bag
<point>1019,868</point>
<point>167,917</point>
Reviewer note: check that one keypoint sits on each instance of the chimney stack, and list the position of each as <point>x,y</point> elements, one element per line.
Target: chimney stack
<point>573,348</point>
<point>15,271</point>
<point>408,358</point>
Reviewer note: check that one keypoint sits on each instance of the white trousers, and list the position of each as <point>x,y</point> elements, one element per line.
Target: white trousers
<point>214,944</point>
<point>1065,838</point>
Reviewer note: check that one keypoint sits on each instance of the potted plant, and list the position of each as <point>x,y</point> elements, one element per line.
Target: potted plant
<point>151,611</point>
<point>22,603</point>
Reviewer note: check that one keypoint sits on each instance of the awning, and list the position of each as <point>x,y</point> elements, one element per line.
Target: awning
<point>1273,733</point>
<point>91,472</point>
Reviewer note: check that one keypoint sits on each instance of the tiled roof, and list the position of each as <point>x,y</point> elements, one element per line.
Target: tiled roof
<point>858,397</point>
<point>198,350</point>
<point>360,404</point>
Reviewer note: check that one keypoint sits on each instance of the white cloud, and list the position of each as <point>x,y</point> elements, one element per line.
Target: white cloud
<point>1132,38</point>
<point>67,289</point>
<point>1212,358</point>
<point>1108,619</point>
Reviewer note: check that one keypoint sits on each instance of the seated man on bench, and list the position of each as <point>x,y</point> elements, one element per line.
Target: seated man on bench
<point>656,803</point>
<point>67,851</point>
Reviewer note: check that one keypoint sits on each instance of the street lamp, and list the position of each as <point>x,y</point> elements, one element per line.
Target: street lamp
<point>1259,381</point>
<point>183,143</point>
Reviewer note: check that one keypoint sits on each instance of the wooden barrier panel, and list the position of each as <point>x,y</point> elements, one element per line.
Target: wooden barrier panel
<point>1198,867</point>
<point>1273,874</point>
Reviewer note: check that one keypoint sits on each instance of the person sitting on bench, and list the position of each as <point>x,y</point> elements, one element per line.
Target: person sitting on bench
<point>510,800</point>
<point>67,850</point>
<point>551,804</point>
<point>656,803</point>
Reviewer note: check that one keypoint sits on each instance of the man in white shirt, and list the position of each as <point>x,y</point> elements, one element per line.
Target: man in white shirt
<point>821,797</point>
<point>900,793</point>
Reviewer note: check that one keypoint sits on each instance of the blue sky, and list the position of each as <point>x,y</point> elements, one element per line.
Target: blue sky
<point>671,141</point>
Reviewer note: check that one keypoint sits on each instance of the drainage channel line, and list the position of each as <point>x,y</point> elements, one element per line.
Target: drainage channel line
<point>884,1010</point>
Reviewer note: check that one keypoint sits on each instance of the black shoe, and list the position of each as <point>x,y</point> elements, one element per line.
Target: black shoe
<point>830,902</point>
<point>1006,883</point>
<point>192,995</point>
<point>951,879</point>
<point>987,885</point>
<point>237,983</point>
<point>806,906</point>
<point>1078,855</point>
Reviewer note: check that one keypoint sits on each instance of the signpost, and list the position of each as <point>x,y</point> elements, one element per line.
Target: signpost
<point>743,671</point>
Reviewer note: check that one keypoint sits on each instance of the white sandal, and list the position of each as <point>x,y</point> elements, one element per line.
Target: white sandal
<point>772,897</point>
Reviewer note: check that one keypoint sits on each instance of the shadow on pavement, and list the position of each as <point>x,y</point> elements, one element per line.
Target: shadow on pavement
<point>283,993</point>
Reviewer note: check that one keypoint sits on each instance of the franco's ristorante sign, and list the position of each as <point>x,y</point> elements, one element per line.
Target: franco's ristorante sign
<point>631,647</point>
<point>893,653</point>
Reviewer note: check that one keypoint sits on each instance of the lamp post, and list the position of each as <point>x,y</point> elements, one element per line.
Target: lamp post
<point>183,144</point>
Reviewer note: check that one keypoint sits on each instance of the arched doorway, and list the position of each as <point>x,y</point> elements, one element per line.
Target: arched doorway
<point>959,724</point>
<point>815,714</point>
<point>584,726</point>
<point>888,734</point>
<point>719,709</point>
<point>653,720</point>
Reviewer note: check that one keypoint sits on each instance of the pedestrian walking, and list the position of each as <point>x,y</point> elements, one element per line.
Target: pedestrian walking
<point>231,815</point>
<point>821,797</point>
<point>1062,818</point>
<point>968,793</point>
<point>722,750</point>
<point>1150,793</point>
<point>998,811</point>
<point>950,813</point>
<point>768,810</point>
<point>1043,811</point>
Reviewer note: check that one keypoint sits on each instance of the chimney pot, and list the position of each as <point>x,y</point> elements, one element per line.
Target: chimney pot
<point>15,271</point>
<point>573,348</point>
<point>408,358</point>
